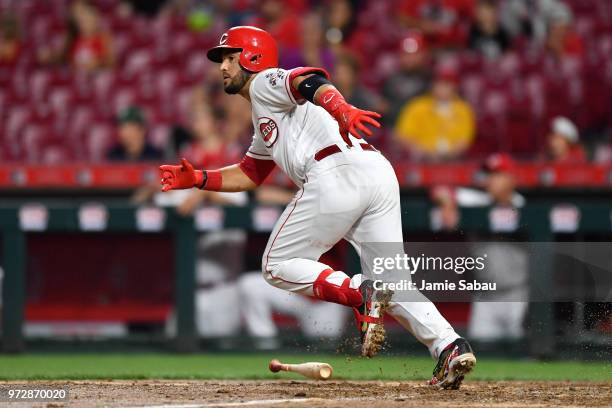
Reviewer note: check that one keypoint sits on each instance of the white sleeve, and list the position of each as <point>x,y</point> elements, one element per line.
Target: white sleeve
<point>518,200</point>
<point>468,197</point>
<point>257,149</point>
<point>271,88</point>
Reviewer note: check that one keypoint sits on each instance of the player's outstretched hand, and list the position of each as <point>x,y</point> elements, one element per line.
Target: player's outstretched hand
<point>353,121</point>
<point>179,177</point>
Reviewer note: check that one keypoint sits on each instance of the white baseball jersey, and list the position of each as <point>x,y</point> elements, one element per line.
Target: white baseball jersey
<point>352,195</point>
<point>287,130</point>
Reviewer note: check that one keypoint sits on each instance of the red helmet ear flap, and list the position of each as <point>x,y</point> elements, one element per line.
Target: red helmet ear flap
<point>252,60</point>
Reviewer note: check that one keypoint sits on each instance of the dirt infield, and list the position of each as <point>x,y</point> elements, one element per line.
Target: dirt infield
<point>285,393</point>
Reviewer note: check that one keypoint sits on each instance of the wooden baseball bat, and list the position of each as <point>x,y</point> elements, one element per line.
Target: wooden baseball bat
<point>318,371</point>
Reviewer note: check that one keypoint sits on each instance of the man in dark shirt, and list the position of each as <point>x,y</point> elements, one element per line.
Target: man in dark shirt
<point>487,36</point>
<point>133,145</point>
<point>346,78</point>
<point>413,77</point>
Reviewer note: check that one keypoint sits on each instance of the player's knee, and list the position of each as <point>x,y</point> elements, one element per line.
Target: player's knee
<point>269,265</point>
<point>264,266</point>
<point>273,270</point>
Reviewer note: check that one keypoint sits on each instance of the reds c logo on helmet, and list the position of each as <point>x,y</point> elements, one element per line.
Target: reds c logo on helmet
<point>258,50</point>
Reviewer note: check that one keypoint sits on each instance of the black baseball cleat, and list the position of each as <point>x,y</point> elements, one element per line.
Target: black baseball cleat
<point>455,362</point>
<point>369,316</point>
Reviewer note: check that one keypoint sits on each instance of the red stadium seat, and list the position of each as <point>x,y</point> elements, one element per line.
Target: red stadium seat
<point>81,119</point>
<point>159,135</point>
<point>4,102</point>
<point>103,83</point>
<point>472,87</point>
<point>31,141</point>
<point>60,99</point>
<point>55,152</point>
<point>123,98</point>
<point>16,119</point>
<point>137,62</point>
<point>99,138</point>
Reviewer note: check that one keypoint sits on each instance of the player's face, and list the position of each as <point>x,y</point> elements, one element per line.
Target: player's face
<point>443,90</point>
<point>132,136</point>
<point>557,145</point>
<point>500,185</point>
<point>234,77</point>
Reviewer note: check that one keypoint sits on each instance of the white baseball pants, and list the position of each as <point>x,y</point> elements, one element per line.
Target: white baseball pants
<point>352,195</point>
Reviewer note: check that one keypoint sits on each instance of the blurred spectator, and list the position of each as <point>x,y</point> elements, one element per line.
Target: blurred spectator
<point>133,145</point>
<point>516,17</point>
<point>315,51</point>
<point>217,270</point>
<point>444,22</point>
<point>87,46</point>
<point>209,149</point>
<point>563,142</point>
<point>499,186</point>
<point>346,79</point>
<point>10,40</point>
<point>487,36</point>
<point>260,300</point>
<point>280,22</point>
<point>238,126</point>
<point>529,18</point>
<point>439,125</point>
<point>499,314</point>
<point>149,8</point>
<point>500,183</point>
<point>340,21</point>
<point>562,40</point>
<point>603,153</point>
<point>413,77</point>
<point>91,48</point>
<point>445,215</point>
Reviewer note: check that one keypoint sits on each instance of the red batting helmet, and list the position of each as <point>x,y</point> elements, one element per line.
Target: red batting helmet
<point>258,48</point>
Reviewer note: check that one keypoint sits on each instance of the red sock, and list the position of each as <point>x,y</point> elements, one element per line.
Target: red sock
<point>329,292</point>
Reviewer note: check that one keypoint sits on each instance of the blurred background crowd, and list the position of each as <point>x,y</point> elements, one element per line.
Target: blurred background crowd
<point>454,79</point>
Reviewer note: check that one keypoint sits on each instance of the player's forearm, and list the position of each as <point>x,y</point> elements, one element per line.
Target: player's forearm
<point>228,179</point>
<point>246,175</point>
<point>320,91</point>
<point>325,94</point>
<point>317,89</point>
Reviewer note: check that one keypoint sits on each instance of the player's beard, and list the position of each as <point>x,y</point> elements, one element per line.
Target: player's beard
<point>238,83</point>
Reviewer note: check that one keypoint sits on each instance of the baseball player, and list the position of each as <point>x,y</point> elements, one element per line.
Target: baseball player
<point>347,189</point>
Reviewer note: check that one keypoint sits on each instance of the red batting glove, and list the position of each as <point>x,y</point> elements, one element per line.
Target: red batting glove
<point>180,177</point>
<point>350,119</point>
